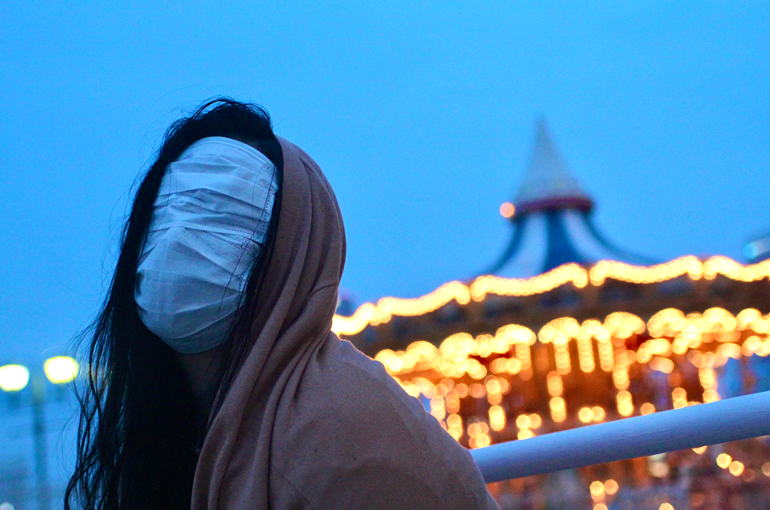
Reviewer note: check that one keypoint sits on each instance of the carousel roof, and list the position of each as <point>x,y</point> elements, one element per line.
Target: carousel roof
<point>552,219</point>
<point>548,183</point>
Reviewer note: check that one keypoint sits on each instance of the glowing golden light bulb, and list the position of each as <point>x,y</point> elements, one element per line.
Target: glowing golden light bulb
<point>736,468</point>
<point>710,395</point>
<point>523,421</point>
<point>625,403</point>
<point>482,440</point>
<point>596,488</point>
<point>647,408</point>
<point>724,460</point>
<point>558,409</point>
<point>585,415</point>
<point>525,434</point>
<point>555,387</point>
<point>496,418</point>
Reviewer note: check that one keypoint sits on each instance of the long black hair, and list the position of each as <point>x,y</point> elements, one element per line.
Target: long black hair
<point>138,417</point>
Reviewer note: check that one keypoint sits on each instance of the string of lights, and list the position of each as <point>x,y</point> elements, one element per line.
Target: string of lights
<point>385,308</point>
<point>489,365</point>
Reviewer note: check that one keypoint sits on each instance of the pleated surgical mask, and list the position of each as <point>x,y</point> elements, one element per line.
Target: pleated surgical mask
<point>209,224</point>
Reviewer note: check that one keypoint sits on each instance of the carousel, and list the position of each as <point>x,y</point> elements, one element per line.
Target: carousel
<point>566,329</point>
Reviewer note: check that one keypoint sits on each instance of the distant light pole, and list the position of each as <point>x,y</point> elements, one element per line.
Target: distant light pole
<point>14,378</point>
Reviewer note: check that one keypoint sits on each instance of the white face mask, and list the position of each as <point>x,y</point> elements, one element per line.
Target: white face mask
<point>208,225</point>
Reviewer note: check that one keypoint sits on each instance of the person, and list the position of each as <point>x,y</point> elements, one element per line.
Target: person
<point>215,381</point>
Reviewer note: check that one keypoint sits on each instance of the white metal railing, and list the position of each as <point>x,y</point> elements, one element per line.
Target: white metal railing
<point>705,424</point>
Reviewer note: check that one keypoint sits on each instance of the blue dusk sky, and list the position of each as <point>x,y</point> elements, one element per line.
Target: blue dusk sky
<point>421,114</point>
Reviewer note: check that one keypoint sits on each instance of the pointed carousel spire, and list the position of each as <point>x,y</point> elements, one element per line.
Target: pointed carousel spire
<point>548,183</point>
<point>551,218</point>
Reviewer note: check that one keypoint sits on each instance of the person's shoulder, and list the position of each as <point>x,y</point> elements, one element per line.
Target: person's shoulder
<point>353,386</point>
<point>363,437</point>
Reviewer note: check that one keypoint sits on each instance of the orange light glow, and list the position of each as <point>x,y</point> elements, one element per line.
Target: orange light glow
<point>736,468</point>
<point>647,408</point>
<point>507,210</point>
<point>385,308</point>
<point>525,434</point>
<point>585,415</point>
<point>724,460</point>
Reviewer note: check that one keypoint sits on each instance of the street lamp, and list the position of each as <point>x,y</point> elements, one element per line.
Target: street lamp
<point>13,379</point>
<point>61,369</point>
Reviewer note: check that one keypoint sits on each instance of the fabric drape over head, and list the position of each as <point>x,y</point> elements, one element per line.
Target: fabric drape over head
<point>309,421</point>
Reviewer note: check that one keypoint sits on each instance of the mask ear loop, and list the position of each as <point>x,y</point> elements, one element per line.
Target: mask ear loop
<point>252,249</point>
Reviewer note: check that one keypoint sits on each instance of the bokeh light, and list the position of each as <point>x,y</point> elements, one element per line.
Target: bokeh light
<point>61,369</point>
<point>13,377</point>
<point>507,210</point>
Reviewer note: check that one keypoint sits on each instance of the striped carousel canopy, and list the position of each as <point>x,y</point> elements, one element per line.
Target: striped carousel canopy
<point>551,219</point>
